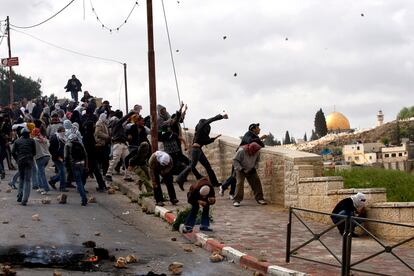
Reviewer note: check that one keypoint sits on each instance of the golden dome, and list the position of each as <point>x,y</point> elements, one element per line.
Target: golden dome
<point>337,121</point>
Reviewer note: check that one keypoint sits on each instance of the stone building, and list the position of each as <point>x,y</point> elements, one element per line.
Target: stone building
<point>363,154</point>
<point>394,157</point>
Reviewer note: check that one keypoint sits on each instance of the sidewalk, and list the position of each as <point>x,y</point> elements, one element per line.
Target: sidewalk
<point>260,233</point>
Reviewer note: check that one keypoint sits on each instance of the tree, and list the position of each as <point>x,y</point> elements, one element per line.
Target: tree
<point>287,140</point>
<point>396,135</point>
<point>314,136</point>
<point>269,140</point>
<point>305,137</point>
<point>320,124</point>
<point>23,87</point>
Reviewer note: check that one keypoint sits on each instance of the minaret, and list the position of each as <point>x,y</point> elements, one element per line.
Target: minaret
<point>380,118</point>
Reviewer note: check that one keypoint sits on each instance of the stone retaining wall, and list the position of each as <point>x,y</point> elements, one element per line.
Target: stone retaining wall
<point>294,179</point>
<point>279,168</point>
<point>398,212</point>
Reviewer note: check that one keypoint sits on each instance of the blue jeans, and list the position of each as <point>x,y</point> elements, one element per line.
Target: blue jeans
<point>78,172</point>
<point>61,176</point>
<point>16,177</point>
<point>192,216</point>
<point>35,178</point>
<point>74,95</point>
<point>25,170</point>
<point>341,227</point>
<point>41,173</point>
<point>197,155</point>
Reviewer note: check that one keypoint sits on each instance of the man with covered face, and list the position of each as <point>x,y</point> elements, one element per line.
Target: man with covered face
<point>351,206</point>
<point>245,163</point>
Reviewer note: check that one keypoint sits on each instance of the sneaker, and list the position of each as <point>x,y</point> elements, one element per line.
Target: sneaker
<point>231,197</point>
<point>19,199</point>
<point>108,177</point>
<point>187,229</point>
<point>174,201</point>
<point>221,192</point>
<point>262,202</point>
<point>52,184</point>
<point>39,190</point>
<point>3,175</point>
<point>24,203</point>
<point>44,193</point>
<point>84,203</point>
<point>160,203</point>
<point>12,185</point>
<point>236,204</point>
<point>205,228</point>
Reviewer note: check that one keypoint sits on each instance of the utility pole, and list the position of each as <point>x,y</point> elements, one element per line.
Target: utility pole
<point>11,97</point>
<point>151,75</point>
<point>126,88</point>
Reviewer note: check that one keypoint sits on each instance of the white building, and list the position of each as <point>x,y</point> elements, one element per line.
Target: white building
<point>362,154</point>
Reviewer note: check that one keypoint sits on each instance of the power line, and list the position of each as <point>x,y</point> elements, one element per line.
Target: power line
<point>171,54</point>
<point>44,21</point>
<point>68,50</point>
<point>110,29</point>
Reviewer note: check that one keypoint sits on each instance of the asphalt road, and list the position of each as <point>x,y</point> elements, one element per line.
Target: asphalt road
<point>123,229</point>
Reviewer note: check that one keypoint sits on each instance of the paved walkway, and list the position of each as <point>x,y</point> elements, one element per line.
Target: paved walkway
<point>260,231</point>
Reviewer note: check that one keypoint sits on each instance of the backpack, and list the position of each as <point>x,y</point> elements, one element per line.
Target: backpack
<point>78,152</point>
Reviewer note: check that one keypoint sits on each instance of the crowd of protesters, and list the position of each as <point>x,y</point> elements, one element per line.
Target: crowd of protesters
<point>81,139</point>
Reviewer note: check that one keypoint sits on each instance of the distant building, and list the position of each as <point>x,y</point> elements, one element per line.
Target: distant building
<point>398,158</point>
<point>380,118</point>
<point>394,158</point>
<point>362,154</point>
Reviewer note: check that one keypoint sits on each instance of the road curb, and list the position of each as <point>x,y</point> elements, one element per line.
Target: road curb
<point>209,244</point>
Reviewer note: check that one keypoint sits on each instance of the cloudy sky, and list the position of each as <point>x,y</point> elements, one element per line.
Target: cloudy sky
<point>291,57</point>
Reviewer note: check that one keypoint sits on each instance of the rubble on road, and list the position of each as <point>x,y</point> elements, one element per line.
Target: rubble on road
<point>91,199</point>
<point>111,191</point>
<point>62,198</point>
<point>131,259</point>
<point>176,268</point>
<point>89,244</point>
<point>46,200</point>
<point>6,270</point>
<point>120,263</point>
<point>57,273</point>
<point>35,217</point>
<point>216,257</point>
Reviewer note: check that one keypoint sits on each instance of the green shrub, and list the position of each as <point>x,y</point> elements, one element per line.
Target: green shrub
<point>182,215</point>
<point>399,185</point>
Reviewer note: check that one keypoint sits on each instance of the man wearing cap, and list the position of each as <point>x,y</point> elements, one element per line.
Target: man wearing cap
<point>351,206</point>
<point>24,149</point>
<point>73,86</point>
<point>252,135</point>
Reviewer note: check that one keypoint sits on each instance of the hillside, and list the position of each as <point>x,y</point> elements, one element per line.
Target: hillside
<point>363,136</point>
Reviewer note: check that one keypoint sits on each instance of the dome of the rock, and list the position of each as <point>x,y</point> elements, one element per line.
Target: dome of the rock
<point>336,121</point>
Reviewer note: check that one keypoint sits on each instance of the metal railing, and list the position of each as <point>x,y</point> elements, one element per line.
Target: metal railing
<point>344,261</point>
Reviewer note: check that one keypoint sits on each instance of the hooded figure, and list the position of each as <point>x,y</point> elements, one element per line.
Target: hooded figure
<point>350,206</point>
<point>245,163</point>
<point>163,116</point>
